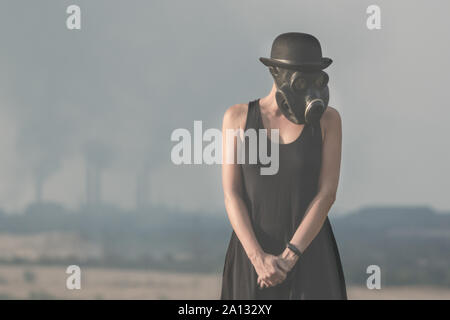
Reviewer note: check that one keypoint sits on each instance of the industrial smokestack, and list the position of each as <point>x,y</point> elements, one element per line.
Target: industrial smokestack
<point>97,156</point>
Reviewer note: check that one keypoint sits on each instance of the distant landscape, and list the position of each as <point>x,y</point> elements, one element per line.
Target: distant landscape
<point>410,244</point>
<point>48,282</point>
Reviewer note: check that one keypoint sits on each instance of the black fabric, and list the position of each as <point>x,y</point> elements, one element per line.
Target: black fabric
<point>276,205</point>
<point>296,50</point>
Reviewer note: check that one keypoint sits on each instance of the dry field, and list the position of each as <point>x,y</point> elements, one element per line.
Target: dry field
<point>43,282</point>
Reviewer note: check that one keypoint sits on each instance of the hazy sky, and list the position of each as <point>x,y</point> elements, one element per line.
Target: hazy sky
<point>137,70</point>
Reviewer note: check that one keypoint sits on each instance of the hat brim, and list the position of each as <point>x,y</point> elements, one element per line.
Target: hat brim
<point>325,62</point>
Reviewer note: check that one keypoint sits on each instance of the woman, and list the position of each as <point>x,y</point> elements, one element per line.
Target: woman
<point>282,245</point>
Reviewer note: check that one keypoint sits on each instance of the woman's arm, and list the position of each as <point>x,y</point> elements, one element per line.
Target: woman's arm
<point>265,264</point>
<point>318,209</point>
<point>232,184</point>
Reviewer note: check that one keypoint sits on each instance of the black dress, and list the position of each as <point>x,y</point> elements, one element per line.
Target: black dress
<point>276,205</point>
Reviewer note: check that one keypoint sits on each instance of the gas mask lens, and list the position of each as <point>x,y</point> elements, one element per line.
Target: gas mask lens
<point>300,81</point>
<point>321,80</point>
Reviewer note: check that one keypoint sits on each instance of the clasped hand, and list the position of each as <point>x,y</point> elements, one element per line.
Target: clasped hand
<point>272,270</point>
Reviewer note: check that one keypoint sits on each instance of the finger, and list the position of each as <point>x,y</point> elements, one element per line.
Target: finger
<point>274,283</point>
<point>273,280</point>
<point>277,281</point>
<point>260,283</point>
<point>278,270</point>
<point>283,265</point>
<point>263,284</point>
<point>282,273</point>
<point>266,281</point>
<point>279,276</point>
<point>272,277</point>
<point>270,282</point>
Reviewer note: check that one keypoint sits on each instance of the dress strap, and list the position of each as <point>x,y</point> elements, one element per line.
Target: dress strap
<point>252,115</point>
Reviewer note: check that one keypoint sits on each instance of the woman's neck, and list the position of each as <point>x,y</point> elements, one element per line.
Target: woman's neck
<point>269,102</point>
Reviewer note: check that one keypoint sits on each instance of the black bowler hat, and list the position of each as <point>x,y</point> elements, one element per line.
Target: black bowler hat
<point>295,50</point>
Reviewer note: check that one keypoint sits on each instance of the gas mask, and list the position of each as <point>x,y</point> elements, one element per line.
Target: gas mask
<point>302,96</point>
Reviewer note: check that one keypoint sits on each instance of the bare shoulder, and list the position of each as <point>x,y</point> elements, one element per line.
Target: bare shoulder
<point>235,116</point>
<point>331,115</point>
<point>331,118</point>
<point>331,121</point>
